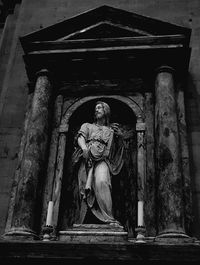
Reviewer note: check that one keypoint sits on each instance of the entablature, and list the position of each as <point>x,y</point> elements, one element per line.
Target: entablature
<point>106,42</point>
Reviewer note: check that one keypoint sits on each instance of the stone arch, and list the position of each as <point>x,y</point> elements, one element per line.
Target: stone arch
<point>133,107</point>
<point>131,103</point>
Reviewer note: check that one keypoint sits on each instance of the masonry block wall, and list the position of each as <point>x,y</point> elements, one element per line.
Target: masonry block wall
<point>29,16</point>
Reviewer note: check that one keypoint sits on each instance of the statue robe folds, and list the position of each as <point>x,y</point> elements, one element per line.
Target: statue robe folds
<point>106,158</point>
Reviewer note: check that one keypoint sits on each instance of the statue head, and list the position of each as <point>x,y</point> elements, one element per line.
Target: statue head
<point>106,111</point>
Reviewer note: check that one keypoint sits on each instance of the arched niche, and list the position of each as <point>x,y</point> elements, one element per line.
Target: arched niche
<point>125,111</point>
<point>131,102</point>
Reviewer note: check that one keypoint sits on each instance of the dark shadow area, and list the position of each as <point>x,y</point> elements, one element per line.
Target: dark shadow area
<point>192,116</point>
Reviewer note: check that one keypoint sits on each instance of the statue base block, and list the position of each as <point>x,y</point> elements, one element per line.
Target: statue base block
<point>94,233</point>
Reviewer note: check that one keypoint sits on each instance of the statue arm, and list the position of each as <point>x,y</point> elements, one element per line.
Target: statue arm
<point>81,142</point>
<point>83,146</point>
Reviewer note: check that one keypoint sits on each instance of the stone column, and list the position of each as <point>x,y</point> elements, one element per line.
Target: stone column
<point>149,207</point>
<point>33,163</point>
<point>141,175</point>
<point>185,159</point>
<point>169,177</point>
<point>140,128</point>
<point>52,163</point>
<point>58,176</point>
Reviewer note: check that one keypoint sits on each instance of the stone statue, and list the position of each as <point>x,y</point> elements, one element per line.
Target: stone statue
<point>100,154</point>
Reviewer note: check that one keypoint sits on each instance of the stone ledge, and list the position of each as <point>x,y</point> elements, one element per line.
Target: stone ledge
<point>57,252</point>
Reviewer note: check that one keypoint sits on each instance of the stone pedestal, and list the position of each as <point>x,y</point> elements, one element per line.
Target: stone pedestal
<point>93,233</point>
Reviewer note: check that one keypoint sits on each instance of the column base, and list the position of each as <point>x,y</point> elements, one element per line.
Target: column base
<point>173,236</point>
<point>47,231</point>
<point>20,234</point>
<point>140,230</point>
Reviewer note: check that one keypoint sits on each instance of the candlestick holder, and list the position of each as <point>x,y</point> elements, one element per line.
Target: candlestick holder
<point>47,232</point>
<point>140,230</point>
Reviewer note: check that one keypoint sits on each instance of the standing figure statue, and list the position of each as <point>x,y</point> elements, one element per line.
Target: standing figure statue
<point>100,156</point>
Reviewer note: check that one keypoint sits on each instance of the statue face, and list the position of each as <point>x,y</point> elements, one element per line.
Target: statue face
<point>99,111</point>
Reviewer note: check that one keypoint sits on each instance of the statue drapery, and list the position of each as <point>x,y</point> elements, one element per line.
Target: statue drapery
<point>122,165</point>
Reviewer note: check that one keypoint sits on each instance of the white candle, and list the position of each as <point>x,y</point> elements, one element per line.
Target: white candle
<point>49,213</point>
<point>140,213</point>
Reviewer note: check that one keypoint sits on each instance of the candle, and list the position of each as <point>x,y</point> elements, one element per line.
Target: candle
<point>140,213</point>
<point>49,213</point>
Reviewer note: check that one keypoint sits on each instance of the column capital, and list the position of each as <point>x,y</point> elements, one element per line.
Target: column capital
<point>165,68</point>
<point>63,128</point>
<point>43,72</point>
<point>140,118</point>
<point>140,126</point>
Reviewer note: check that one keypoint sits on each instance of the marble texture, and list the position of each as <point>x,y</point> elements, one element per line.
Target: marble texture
<point>93,233</point>
<point>169,178</point>
<point>53,151</point>
<point>33,160</point>
<point>149,206</point>
<point>185,163</point>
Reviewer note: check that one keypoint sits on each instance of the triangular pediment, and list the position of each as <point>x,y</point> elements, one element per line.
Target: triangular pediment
<point>106,33</point>
<point>105,22</point>
<point>105,29</point>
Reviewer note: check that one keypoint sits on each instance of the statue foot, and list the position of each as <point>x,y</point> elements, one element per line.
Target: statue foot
<point>116,224</point>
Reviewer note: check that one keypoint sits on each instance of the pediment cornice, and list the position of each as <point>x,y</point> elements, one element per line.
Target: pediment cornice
<point>127,23</point>
<point>109,33</point>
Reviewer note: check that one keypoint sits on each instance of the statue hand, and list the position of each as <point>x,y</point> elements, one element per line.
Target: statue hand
<point>117,130</point>
<point>115,126</point>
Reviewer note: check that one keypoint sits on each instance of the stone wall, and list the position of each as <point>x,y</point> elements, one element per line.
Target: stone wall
<point>29,16</point>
